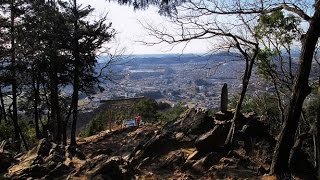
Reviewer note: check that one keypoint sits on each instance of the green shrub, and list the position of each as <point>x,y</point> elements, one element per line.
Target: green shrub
<point>171,113</point>
<point>94,126</point>
<point>266,106</point>
<point>6,130</point>
<point>28,130</point>
<point>147,108</point>
<point>312,109</point>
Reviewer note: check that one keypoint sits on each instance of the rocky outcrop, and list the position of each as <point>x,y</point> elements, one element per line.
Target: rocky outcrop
<point>196,129</point>
<point>45,159</point>
<point>191,123</point>
<point>112,168</point>
<point>183,131</point>
<point>212,140</point>
<point>49,161</point>
<point>174,161</point>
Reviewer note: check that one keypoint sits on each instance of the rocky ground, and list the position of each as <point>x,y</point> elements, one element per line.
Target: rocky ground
<point>191,147</point>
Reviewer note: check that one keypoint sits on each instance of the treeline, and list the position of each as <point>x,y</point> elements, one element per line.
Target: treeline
<point>45,46</point>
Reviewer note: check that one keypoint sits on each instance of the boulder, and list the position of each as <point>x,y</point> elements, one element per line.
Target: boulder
<point>203,164</point>
<point>104,151</point>
<point>255,128</point>
<point>155,145</point>
<point>75,152</point>
<point>59,171</point>
<point>113,168</point>
<point>174,161</point>
<point>223,116</point>
<point>179,136</point>
<point>194,156</point>
<point>262,171</point>
<point>199,167</point>
<point>90,165</point>
<point>191,122</point>
<point>146,161</point>
<point>39,161</point>
<point>212,140</point>
<point>6,160</point>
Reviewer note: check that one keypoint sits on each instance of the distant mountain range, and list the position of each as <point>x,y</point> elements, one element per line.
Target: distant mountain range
<point>182,58</point>
<point>176,58</point>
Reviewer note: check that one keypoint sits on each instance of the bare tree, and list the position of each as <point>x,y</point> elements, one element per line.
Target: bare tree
<point>228,25</point>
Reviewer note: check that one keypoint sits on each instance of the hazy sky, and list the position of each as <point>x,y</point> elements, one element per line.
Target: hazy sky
<point>126,22</point>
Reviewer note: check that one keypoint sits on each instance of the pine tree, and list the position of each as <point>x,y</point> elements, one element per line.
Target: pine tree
<point>12,10</point>
<point>85,39</point>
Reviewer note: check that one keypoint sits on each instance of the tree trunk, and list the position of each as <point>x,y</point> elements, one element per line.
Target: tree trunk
<point>3,108</point>
<point>14,80</point>
<point>317,144</point>
<point>229,139</point>
<point>1,115</point>
<point>35,105</point>
<point>279,101</point>
<point>58,115</point>
<point>65,123</point>
<point>75,98</point>
<point>245,83</point>
<point>23,139</point>
<point>64,133</point>
<point>300,91</point>
<point>55,121</point>
<point>75,95</point>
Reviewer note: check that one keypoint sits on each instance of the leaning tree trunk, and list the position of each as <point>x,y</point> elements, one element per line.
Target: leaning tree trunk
<point>245,83</point>
<point>229,139</point>
<point>280,161</point>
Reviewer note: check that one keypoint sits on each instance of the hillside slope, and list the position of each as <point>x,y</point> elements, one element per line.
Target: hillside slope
<point>191,147</point>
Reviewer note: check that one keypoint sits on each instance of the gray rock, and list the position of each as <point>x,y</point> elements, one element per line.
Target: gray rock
<point>176,160</point>
<point>212,140</point>
<point>39,161</point>
<point>206,162</point>
<point>113,168</point>
<point>191,122</point>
